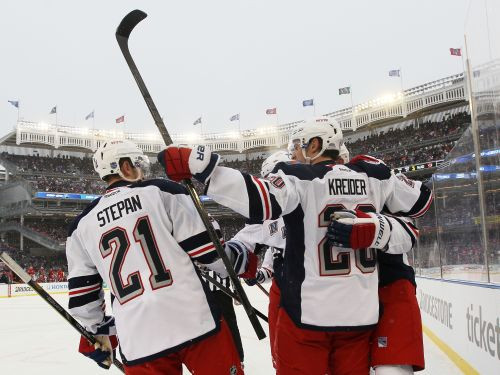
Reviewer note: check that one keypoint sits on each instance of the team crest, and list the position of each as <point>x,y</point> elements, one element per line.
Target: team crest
<point>273,227</point>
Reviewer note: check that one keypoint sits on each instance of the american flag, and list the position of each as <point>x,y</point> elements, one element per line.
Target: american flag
<point>456,51</point>
<point>120,119</point>
<point>271,111</point>
<point>198,121</point>
<point>394,73</point>
<point>235,117</point>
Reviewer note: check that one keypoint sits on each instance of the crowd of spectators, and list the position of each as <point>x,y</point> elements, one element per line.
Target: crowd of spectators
<point>401,147</point>
<point>67,165</point>
<point>41,268</point>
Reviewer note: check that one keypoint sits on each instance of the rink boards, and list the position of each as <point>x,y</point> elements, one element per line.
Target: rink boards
<point>463,319</point>
<point>19,290</point>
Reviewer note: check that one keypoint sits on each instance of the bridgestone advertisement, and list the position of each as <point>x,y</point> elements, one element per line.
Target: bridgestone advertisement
<point>17,290</point>
<point>466,317</point>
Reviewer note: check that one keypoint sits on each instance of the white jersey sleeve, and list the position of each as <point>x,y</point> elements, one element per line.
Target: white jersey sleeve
<point>269,233</point>
<point>267,263</point>
<point>404,235</point>
<point>85,288</point>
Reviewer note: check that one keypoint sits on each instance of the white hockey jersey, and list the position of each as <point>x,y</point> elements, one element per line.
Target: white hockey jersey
<point>324,287</point>
<point>271,233</point>
<point>141,240</point>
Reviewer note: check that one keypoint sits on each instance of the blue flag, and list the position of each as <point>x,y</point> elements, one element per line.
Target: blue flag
<point>235,117</point>
<point>90,115</point>
<point>198,121</point>
<point>53,110</point>
<point>307,103</point>
<point>15,103</point>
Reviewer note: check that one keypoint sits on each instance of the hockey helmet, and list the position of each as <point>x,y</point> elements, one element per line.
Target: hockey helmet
<point>269,164</point>
<point>107,158</point>
<point>320,127</point>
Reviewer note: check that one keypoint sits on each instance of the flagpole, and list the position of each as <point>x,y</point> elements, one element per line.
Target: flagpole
<point>353,126</point>
<point>314,108</point>
<point>403,102</point>
<point>18,109</point>
<point>239,124</point>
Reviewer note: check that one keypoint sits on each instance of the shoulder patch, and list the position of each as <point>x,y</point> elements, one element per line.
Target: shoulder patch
<point>74,224</point>
<point>165,185</point>
<point>371,166</point>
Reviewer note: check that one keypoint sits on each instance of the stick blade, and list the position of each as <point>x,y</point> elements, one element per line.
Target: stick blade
<point>129,22</point>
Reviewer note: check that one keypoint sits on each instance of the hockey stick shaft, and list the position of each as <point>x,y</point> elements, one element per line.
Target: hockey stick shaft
<point>263,289</point>
<point>230,293</point>
<point>122,35</point>
<point>17,269</point>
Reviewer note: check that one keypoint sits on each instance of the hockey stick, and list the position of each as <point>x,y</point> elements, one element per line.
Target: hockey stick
<point>16,268</point>
<point>128,23</point>
<point>263,289</point>
<point>230,293</point>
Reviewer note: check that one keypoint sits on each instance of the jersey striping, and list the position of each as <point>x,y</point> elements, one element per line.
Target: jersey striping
<point>141,239</point>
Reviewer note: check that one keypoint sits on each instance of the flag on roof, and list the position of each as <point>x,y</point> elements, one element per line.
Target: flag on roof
<point>53,110</point>
<point>198,121</point>
<point>15,103</point>
<point>456,51</point>
<point>394,73</point>
<point>345,90</point>
<point>235,117</point>
<point>120,119</point>
<point>271,111</point>
<point>307,103</point>
<point>90,115</point>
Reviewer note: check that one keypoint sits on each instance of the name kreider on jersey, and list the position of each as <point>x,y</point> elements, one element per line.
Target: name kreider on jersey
<point>346,186</point>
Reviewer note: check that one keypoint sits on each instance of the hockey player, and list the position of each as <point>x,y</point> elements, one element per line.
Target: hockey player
<point>330,302</point>
<point>270,233</point>
<point>141,238</point>
<point>397,342</point>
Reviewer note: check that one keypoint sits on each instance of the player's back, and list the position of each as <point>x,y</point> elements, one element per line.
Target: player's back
<point>132,235</point>
<point>325,286</point>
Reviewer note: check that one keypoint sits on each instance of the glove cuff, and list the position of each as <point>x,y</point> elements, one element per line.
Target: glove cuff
<point>204,176</point>
<point>382,231</point>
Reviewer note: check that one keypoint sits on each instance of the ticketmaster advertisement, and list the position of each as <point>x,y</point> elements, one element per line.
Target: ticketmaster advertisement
<point>466,317</point>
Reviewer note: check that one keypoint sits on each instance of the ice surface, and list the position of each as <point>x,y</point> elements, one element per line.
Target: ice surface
<point>34,339</point>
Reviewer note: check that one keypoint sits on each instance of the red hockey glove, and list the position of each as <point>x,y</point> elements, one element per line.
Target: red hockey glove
<point>101,352</point>
<point>359,230</point>
<point>251,267</point>
<point>183,163</point>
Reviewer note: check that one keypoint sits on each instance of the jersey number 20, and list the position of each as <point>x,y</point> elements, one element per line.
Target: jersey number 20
<point>116,242</point>
<point>329,265</point>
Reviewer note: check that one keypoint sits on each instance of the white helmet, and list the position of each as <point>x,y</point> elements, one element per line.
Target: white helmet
<point>269,164</point>
<point>107,158</point>
<point>344,153</point>
<point>321,127</point>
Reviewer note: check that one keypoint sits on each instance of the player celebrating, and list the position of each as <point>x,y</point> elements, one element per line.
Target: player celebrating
<point>397,342</point>
<point>330,302</point>
<point>270,233</point>
<point>141,238</point>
